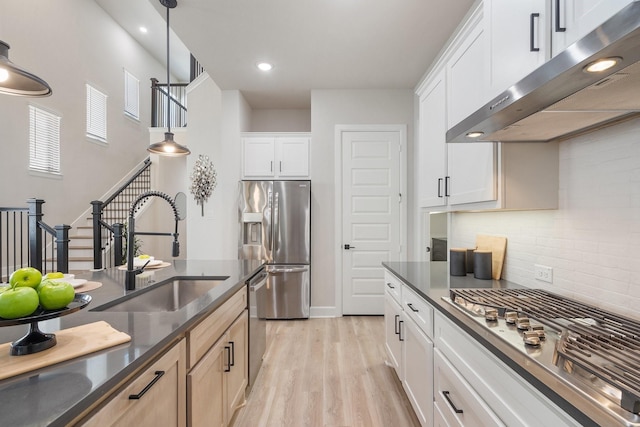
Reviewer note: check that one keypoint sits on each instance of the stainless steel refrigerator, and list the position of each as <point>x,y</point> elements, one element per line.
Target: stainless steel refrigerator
<point>275,227</point>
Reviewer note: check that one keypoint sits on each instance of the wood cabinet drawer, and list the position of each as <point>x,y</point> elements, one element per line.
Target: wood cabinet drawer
<point>206,333</point>
<point>393,286</point>
<point>161,385</point>
<point>418,310</point>
<point>460,405</point>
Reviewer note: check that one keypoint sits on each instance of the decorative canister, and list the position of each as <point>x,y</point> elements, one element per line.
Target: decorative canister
<point>470,260</point>
<point>482,265</point>
<point>458,262</point>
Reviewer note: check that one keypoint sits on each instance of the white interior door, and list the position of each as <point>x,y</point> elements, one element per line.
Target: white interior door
<point>371,220</point>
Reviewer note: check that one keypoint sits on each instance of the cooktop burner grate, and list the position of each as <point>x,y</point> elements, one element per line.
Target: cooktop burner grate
<point>604,344</point>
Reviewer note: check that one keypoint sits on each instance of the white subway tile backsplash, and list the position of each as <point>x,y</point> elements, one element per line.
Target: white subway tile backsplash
<point>592,241</point>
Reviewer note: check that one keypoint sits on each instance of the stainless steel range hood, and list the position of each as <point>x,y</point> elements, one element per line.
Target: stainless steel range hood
<point>560,99</point>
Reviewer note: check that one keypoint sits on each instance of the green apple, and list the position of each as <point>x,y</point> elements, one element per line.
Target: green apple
<point>26,276</point>
<point>18,302</point>
<point>55,295</point>
<point>4,288</point>
<point>54,275</point>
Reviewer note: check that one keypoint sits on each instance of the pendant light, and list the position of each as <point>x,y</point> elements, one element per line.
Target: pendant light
<point>15,80</point>
<point>168,147</point>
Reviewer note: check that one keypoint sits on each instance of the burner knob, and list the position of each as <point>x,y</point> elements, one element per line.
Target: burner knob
<point>491,314</point>
<point>539,329</point>
<point>531,338</point>
<point>522,323</point>
<point>510,317</point>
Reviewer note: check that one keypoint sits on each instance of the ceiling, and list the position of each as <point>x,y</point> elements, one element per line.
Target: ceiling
<point>313,44</point>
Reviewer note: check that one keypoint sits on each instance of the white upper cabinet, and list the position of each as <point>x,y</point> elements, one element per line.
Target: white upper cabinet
<point>432,147</point>
<point>519,41</point>
<point>573,19</point>
<point>466,72</point>
<point>275,156</point>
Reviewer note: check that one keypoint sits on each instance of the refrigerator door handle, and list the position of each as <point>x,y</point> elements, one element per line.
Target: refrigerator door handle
<point>276,221</point>
<point>287,270</point>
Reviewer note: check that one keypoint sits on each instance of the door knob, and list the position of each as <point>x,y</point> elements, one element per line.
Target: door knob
<point>347,247</point>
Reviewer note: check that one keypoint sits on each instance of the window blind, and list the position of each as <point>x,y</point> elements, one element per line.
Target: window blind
<point>96,114</point>
<point>44,141</point>
<point>131,95</point>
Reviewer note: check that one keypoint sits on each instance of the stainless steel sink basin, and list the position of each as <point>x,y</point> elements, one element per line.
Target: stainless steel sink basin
<point>170,296</point>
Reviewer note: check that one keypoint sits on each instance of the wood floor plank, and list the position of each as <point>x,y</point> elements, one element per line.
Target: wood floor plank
<point>326,373</point>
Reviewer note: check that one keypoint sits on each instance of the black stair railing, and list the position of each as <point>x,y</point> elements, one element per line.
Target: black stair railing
<point>109,217</point>
<point>26,240</point>
<point>177,104</point>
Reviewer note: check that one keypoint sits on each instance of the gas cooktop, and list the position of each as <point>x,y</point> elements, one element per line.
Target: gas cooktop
<point>594,351</point>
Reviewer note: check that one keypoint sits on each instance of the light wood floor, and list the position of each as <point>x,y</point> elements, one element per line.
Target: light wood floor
<point>326,373</point>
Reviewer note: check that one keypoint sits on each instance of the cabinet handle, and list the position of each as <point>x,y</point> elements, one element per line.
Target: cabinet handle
<point>228,350</point>
<point>390,285</point>
<point>400,330</point>
<point>456,410</point>
<point>439,187</point>
<point>271,166</point>
<point>158,375</point>
<point>447,179</point>
<point>397,327</point>
<point>233,353</point>
<point>532,35</point>
<point>411,307</point>
<point>280,165</point>
<point>559,29</point>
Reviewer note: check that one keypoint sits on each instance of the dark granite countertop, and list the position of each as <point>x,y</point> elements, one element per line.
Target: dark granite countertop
<point>55,395</point>
<point>432,281</point>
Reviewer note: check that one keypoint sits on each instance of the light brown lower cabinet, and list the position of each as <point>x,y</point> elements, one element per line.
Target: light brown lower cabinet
<point>200,381</point>
<point>216,385</point>
<point>155,397</point>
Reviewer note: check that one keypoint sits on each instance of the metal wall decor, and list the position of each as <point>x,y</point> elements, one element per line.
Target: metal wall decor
<point>203,180</point>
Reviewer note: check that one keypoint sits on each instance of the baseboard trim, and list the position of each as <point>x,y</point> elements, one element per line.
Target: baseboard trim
<point>329,311</point>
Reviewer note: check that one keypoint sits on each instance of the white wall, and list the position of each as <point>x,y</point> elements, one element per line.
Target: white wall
<point>328,109</point>
<point>593,240</point>
<point>277,120</point>
<point>68,44</point>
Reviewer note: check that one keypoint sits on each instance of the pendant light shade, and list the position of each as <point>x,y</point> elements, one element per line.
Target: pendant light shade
<point>168,147</point>
<point>15,80</point>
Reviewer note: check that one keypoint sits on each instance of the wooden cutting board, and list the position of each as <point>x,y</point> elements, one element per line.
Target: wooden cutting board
<point>71,343</point>
<point>498,247</point>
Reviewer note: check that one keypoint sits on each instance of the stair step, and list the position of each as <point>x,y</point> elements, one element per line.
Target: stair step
<point>79,236</point>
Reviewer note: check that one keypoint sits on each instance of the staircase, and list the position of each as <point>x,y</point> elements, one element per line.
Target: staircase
<point>114,210</point>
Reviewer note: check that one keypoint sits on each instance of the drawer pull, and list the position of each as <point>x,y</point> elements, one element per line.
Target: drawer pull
<point>390,285</point>
<point>228,350</point>
<point>233,353</point>
<point>446,396</point>
<point>411,307</point>
<point>158,375</point>
<point>397,326</point>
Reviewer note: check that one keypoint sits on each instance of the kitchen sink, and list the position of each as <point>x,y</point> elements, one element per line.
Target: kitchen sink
<point>169,296</point>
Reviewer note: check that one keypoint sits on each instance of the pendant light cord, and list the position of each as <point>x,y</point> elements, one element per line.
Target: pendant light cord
<point>168,78</point>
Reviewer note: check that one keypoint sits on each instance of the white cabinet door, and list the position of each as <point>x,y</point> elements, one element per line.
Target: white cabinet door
<point>573,19</point>
<point>466,75</point>
<point>418,371</point>
<point>472,173</point>
<point>393,333</point>
<point>432,147</point>
<point>518,33</point>
<point>292,157</point>
<point>275,156</point>
<point>258,157</point>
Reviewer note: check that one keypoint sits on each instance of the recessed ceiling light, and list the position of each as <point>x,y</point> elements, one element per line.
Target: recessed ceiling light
<point>602,64</point>
<point>264,66</point>
<point>474,134</point>
<point>143,30</point>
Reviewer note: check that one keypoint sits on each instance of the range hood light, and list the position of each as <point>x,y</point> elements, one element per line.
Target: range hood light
<point>474,134</point>
<point>602,64</point>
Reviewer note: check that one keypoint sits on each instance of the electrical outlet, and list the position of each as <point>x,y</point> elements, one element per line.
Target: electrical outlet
<point>543,273</point>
